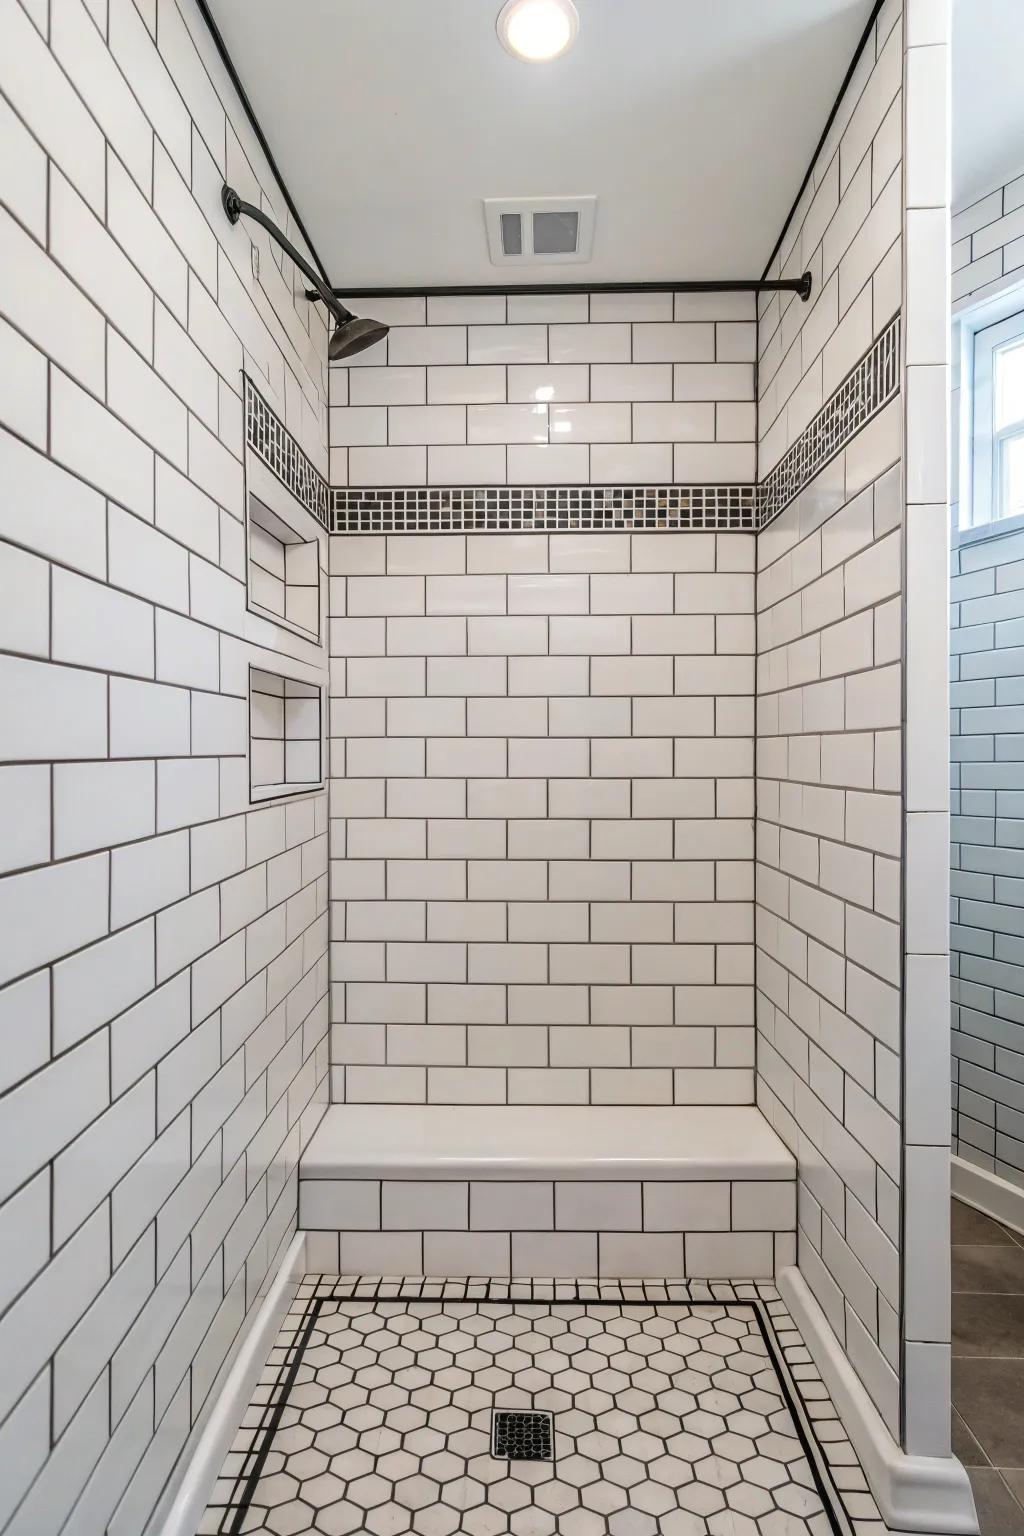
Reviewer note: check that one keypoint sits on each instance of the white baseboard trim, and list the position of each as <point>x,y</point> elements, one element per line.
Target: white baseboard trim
<point>989,1193</point>
<point>221,1426</point>
<point>930,1494</point>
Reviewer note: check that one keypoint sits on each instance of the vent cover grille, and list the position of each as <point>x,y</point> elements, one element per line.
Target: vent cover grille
<point>542,230</point>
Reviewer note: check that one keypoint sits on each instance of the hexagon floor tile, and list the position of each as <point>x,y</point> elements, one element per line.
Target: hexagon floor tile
<point>375,1416</point>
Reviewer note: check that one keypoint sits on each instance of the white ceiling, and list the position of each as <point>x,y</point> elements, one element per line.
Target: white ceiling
<point>988,95</point>
<point>691,120</point>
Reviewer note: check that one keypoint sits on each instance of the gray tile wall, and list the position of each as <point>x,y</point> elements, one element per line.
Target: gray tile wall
<point>988,242</point>
<point>163,1018</point>
<point>987,852</point>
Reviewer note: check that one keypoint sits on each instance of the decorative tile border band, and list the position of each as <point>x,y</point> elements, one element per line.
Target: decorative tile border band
<point>544,509</point>
<point>871,383</point>
<point>267,436</point>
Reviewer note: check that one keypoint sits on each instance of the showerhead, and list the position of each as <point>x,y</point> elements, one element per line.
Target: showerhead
<point>351,334</point>
<point>354,335</point>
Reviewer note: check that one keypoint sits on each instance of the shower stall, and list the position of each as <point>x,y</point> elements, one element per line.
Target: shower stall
<point>475,819</point>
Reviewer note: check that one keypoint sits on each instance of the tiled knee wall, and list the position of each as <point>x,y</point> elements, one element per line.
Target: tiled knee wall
<point>828,883</point>
<point>541,818</point>
<point>711,1229</point>
<point>987,961</point>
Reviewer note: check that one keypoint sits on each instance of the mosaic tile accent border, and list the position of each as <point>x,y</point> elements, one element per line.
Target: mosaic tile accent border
<point>267,436</point>
<point>545,509</point>
<point>871,383</point>
<point>837,1475</point>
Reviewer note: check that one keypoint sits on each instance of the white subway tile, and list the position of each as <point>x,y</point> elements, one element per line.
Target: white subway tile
<point>623,463</point>
<point>547,464</point>
<point>490,344</point>
<point>608,343</point>
<point>507,423</point>
<point>473,465</point>
<point>387,466</point>
<point>385,386</point>
<point>43,97</point>
<point>542,383</point>
<point>48,308</point>
<point>632,381</point>
<point>685,342</point>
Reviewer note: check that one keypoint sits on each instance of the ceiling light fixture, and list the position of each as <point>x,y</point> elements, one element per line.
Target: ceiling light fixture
<point>538,30</point>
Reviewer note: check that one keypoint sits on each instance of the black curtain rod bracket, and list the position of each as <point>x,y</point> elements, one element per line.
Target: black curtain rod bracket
<point>798,285</point>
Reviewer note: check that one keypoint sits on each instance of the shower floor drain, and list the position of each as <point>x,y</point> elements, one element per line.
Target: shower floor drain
<point>521,1435</point>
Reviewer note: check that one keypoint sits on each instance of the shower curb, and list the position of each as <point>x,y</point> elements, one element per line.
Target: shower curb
<point>987,1192</point>
<point>928,1494</point>
<point>204,1464</point>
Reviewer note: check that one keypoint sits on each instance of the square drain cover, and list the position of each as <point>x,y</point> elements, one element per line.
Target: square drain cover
<point>521,1435</point>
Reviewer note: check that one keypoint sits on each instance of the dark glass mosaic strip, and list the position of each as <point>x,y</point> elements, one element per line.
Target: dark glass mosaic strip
<point>870,384</point>
<point>544,509</point>
<point>267,436</point>
<point>521,1435</point>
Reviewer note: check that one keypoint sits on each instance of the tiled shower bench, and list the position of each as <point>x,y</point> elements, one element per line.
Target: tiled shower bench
<point>701,1192</point>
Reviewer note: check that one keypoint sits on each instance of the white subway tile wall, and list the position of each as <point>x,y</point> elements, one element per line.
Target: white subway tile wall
<point>846,232</point>
<point>830,794</point>
<point>541,818</point>
<point>828,884</point>
<point>700,1229</point>
<point>635,388</point>
<point>164,1022</point>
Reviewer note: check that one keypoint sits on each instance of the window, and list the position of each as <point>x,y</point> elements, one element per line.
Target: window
<point>998,489</point>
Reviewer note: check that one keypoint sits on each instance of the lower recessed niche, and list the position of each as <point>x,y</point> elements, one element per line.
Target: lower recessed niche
<point>285,735</point>
<point>284,571</point>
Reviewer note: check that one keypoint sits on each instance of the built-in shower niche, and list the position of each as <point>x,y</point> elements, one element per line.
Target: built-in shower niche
<point>284,572</point>
<point>285,527</point>
<point>285,735</point>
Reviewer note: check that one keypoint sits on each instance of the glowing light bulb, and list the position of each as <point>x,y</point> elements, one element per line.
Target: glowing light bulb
<point>537,30</point>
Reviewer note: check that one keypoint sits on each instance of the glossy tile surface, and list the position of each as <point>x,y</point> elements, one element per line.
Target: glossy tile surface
<point>668,1418</point>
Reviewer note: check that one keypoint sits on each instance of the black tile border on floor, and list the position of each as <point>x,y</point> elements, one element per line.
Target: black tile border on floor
<point>569,1293</point>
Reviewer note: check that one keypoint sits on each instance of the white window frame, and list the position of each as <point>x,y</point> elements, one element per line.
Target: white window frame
<point>988,443</point>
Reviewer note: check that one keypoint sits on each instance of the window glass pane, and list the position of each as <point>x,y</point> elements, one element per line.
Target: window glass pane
<point>1011,488</point>
<point>1009,381</point>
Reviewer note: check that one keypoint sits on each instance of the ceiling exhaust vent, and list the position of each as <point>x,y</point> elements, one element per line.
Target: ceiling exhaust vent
<point>539,230</point>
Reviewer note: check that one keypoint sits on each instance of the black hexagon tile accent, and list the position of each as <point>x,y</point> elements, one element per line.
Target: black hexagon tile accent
<point>376,1416</point>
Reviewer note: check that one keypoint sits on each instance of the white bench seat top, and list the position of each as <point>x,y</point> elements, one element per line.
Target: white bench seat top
<point>513,1141</point>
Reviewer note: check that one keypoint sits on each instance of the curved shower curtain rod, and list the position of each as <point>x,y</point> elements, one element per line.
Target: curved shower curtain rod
<point>351,334</point>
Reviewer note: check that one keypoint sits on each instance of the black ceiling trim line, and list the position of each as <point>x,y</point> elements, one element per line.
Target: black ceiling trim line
<point>226,60</point>
<point>875,9</point>
<point>799,285</point>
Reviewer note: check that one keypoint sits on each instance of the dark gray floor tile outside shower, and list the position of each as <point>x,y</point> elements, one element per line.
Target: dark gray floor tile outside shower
<point>988,1366</point>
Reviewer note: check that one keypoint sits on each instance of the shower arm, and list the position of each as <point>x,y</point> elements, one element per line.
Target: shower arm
<point>235,207</point>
